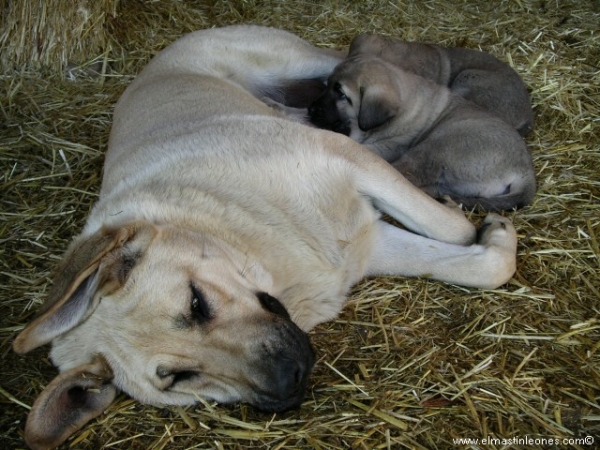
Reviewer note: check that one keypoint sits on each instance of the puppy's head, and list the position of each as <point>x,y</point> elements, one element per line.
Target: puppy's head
<point>362,95</point>
<point>168,316</point>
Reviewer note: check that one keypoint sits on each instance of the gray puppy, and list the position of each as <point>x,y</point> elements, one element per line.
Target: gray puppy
<point>472,74</point>
<point>441,142</point>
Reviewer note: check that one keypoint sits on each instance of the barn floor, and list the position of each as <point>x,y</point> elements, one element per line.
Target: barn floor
<point>410,363</point>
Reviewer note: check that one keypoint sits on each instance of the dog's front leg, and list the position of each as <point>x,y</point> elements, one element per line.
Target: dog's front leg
<point>487,264</point>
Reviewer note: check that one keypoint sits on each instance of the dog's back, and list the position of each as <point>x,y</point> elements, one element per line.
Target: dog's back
<point>271,64</point>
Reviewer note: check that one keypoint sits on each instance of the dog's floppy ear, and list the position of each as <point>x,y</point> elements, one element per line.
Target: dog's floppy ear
<point>94,265</point>
<point>70,401</point>
<point>376,107</point>
<point>364,44</point>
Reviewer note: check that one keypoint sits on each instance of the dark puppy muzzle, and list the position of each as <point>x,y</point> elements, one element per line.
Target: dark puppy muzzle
<point>323,113</point>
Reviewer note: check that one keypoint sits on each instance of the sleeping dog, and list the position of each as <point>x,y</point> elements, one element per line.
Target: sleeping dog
<point>224,232</point>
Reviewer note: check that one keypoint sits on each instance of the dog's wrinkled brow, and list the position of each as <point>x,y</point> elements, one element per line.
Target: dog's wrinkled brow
<point>182,322</point>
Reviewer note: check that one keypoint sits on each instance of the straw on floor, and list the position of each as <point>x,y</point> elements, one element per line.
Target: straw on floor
<point>410,363</point>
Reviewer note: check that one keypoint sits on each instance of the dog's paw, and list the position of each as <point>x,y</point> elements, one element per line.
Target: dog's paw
<point>498,238</point>
<point>497,231</point>
<point>456,210</point>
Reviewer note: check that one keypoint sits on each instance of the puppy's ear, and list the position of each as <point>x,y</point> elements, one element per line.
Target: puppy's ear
<point>376,107</point>
<point>70,401</point>
<point>93,266</point>
<point>365,44</point>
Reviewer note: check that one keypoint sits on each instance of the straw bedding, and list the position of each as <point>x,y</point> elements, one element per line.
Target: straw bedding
<point>410,363</point>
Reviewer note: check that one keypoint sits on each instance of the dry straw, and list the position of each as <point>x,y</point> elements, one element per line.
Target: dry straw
<point>410,363</point>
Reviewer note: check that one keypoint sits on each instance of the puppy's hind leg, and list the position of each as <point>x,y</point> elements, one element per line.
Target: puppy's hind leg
<point>487,264</point>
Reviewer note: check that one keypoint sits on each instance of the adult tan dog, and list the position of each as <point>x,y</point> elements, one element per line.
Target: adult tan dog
<point>224,231</point>
<point>477,76</point>
<point>442,143</point>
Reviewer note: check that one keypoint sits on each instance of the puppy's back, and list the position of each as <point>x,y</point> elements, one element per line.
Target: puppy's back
<point>475,75</point>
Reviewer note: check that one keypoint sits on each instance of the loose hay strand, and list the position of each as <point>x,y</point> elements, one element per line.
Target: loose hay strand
<point>423,363</point>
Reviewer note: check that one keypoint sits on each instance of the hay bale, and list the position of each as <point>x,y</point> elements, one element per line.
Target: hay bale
<point>51,34</point>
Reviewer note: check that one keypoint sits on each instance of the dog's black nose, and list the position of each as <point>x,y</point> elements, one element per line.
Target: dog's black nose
<point>290,378</point>
<point>285,364</point>
<point>286,383</point>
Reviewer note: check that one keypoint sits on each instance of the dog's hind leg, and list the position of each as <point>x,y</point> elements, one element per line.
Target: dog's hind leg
<point>487,264</point>
<point>263,61</point>
<point>442,248</point>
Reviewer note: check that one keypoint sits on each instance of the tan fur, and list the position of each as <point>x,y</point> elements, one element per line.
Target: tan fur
<point>206,189</point>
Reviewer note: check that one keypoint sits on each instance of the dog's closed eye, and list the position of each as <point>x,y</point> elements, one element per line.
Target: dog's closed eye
<point>199,307</point>
<point>184,375</point>
<point>173,377</point>
<point>337,87</point>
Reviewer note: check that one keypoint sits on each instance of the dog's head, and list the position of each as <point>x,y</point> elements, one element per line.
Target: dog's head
<point>361,96</point>
<point>168,316</point>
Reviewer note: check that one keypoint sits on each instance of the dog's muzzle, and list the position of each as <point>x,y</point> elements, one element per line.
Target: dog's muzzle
<point>285,359</point>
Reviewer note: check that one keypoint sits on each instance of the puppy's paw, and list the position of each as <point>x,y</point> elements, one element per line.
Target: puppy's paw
<point>295,114</point>
<point>273,104</point>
